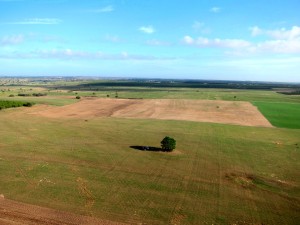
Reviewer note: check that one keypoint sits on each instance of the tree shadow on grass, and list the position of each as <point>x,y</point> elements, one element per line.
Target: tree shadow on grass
<point>147,148</point>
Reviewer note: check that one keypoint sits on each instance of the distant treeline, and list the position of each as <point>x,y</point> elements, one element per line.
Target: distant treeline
<point>183,84</point>
<point>291,92</point>
<point>13,104</point>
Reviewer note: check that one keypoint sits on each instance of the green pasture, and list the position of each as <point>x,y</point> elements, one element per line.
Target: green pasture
<point>219,174</point>
<point>8,93</point>
<point>166,93</point>
<point>185,93</point>
<point>281,114</point>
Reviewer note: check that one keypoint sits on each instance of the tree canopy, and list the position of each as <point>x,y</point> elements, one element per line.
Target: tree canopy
<point>168,144</point>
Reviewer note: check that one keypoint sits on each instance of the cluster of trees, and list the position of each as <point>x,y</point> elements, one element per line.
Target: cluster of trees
<point>39,94</point>
<point>13,104</point>
<point>23,94</point>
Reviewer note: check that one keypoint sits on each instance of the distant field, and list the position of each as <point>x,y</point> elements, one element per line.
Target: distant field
<point>71,89</point>
<point>226,112</point>
<point>185,93</point>
<point>219,174</point>
<point>285,115</point>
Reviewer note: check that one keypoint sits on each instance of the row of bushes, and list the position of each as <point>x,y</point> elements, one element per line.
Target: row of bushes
<point>34,94</point>
<point>14,104</point>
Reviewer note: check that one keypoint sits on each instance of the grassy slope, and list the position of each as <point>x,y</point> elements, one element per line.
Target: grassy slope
<point>281,114</point>
<point>224,174</point>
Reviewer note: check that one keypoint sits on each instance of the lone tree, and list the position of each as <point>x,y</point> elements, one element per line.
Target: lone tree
<point>168,144</point>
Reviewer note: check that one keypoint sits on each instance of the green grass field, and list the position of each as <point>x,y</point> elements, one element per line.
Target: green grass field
<point>285,115</point>
<point>219,174</point>
<point>186,93</point>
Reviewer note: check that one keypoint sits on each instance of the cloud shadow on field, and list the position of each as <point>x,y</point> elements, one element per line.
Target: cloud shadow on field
<point>146,148</point>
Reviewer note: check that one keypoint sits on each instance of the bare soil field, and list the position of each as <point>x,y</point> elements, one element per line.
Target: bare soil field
<point>227,112</point>
<point>16,213</point>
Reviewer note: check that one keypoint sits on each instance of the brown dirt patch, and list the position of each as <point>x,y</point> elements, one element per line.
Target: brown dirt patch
<point>239,113</point>
<point>16,213</point>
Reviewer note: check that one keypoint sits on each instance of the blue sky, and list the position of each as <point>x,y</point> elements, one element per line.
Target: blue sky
<point>195,39</point>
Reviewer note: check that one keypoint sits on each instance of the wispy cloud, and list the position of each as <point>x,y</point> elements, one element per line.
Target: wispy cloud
<point>12,40</point>
<point>37,37</point>
<point>283,40</point>
<point>278,34</point>
<point>105,9</point>
<point>219,43</point>
<point>11,0</point>
<point>198,25</point>
<point>112,38</point>
<point>155,42</point>
<point>31,37</point>
<point>215,9</point>
<point>255,31</point>
<point>147,29</point>
<point>38,21</point>
<point>70,54</point>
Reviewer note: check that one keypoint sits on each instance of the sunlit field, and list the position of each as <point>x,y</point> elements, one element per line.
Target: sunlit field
<point>218,173</point>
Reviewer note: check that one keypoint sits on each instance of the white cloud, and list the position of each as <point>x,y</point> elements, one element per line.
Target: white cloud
<point>147,29</point>
<point>12,40</point>
<point>278,34</point>
<point>11,0</point>
<point>55,53</point>
<point>108,8</point>
<point>38,21</point>
<point>255,31</point>
<point>188,40</point>
<point>283,41</point>
<point>280,41</point>
<point>279,46</point>
<point>70,54</point>
<point>105,9</point>
<point>215,9</point>
<point>219,43</point>
<point>293,33</point>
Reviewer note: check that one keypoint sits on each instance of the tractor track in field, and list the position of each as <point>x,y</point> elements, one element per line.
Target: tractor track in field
<point>16,213</point>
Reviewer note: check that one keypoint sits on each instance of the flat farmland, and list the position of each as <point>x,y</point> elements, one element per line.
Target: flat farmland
<point>228,112</point>
<point>218,174</point>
